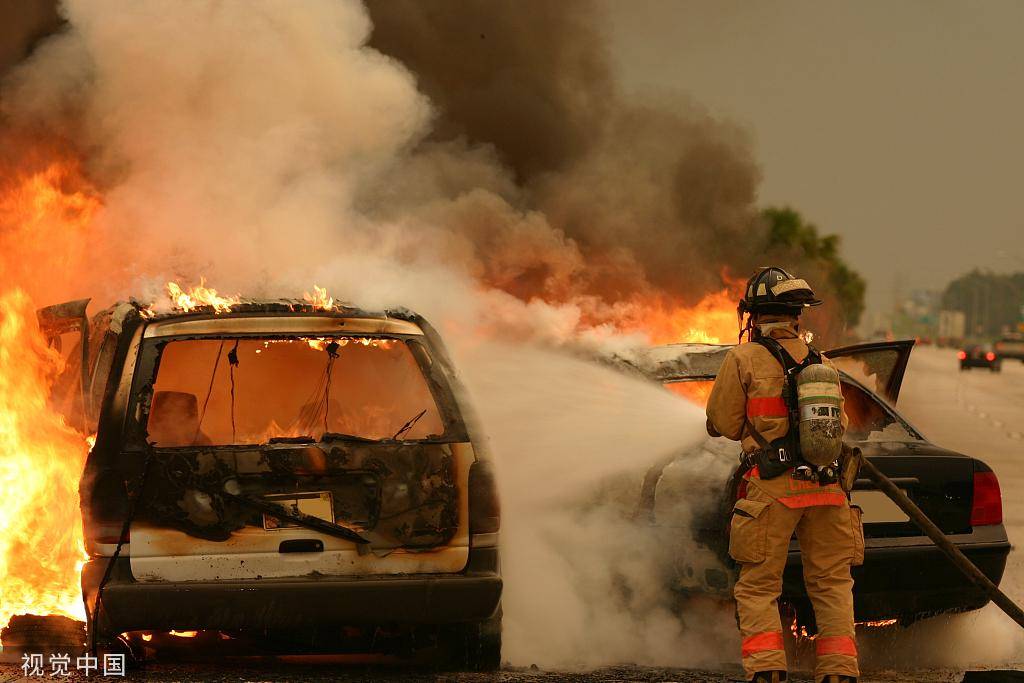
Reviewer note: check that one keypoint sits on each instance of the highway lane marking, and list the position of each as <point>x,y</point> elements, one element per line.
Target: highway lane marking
<point>973,409</point>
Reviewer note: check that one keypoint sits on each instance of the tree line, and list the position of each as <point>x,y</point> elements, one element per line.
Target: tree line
<point>991,303</point>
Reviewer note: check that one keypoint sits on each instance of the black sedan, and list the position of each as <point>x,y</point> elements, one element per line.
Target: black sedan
<point>904,577</point>
<point>979,356</point>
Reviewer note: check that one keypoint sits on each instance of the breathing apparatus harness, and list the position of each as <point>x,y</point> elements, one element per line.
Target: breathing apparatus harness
<point>775,458</point>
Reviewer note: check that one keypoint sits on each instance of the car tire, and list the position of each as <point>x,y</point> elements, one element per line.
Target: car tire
<point>995,368</point>
<point>472,647</point>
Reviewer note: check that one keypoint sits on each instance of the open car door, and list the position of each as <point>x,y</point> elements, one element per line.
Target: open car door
<point>879,366</point>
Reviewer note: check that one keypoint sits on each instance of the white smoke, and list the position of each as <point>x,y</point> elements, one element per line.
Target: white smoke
<point>586,584</point>
<point>259,144</point>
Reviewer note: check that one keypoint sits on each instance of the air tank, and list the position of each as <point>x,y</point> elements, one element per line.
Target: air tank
<point>819,399</point>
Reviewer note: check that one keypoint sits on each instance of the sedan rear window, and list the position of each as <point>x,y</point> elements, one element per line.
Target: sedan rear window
<point>251,390</point>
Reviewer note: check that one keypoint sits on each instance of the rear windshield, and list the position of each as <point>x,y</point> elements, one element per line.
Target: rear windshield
<point>251,390</point>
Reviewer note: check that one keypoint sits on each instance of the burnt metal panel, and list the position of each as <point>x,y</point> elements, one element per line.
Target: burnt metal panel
<point>400,494</point>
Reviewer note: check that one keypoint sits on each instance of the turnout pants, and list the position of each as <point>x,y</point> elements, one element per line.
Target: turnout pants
<point>831,541</point>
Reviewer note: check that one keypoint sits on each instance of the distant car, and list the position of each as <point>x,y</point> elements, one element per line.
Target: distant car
<point>1010,347</point>
<point>309,480</point>
<point>979,356</point>
<point>904,576</point>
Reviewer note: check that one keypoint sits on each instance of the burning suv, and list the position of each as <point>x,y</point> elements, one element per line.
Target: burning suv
<point>301,478</point>
<point>904,577</point>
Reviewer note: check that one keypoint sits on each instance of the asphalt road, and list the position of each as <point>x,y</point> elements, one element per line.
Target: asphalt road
<point>977,412</point>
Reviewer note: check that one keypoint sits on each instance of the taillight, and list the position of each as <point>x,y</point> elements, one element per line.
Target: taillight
<point>987,506</point>
<point>962,355</point>
<point>990,356</point>
<point>484,508</point>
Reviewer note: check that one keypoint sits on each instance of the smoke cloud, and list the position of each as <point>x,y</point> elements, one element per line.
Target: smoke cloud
<point>648,191</point>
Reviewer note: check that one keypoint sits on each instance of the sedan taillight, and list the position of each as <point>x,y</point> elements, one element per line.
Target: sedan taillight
<point>987,506</point>
<point>990,356</point>
<point>962,355</point>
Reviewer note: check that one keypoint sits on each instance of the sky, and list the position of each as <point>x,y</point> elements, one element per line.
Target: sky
<point>897,125</point>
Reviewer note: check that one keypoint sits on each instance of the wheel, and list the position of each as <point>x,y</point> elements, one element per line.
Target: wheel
<point>963,367</point>
<point>472,647</point>
<point>995,368</point>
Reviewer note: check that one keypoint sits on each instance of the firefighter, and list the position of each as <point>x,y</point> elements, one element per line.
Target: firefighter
<point>754,401</point>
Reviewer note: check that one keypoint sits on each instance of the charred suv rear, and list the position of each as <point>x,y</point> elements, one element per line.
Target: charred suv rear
<point>287,471</point>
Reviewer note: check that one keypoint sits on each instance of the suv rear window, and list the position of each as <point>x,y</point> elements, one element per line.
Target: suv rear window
<point>251,390</point>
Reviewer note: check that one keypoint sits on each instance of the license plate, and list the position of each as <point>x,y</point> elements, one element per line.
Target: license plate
<point>878,508</point>
<point>314,504</point>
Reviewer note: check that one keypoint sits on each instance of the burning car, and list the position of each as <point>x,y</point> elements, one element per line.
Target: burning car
<point>904,577</point>
<point>301,475</point>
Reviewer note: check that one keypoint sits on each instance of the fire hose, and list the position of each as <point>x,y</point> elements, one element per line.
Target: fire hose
<point>933,532</point>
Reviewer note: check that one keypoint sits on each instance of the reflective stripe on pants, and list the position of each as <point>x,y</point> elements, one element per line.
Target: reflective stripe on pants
<point>769,641</point>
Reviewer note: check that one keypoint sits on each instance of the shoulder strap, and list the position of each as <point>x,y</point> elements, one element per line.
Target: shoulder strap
<point>779,352</point>
<point>790,368</point>
<point>787,361</point>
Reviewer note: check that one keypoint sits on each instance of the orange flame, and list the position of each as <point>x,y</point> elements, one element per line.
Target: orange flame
<point>319,298</point>
<point>695,392</point>
<point>45,221</point>
<point>41,460</point>
<point>47,212</point>
<point>201,295</point>
<point>712,320</point>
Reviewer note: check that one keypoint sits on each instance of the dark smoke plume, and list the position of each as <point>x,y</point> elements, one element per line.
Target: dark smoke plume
<point>653,193</point>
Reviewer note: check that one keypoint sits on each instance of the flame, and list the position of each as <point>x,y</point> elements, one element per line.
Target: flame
<point>697,392</point>
<point>41,460</point>
<point>319,298</point>
<point>200,295</point>
<point>712,320</point>
<point>46,217</point>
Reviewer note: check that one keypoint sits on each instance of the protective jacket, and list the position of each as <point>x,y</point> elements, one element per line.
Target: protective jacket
<point>748,391</point>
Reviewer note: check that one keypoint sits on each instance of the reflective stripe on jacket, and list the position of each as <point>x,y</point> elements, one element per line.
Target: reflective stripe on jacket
<point>749,386</point>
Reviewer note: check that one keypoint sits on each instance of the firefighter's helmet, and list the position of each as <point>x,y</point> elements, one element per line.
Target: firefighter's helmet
<point>773,288</point>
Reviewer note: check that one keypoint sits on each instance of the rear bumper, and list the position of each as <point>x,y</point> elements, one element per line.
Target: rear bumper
<point>978,363</point>
<point>908,582</point>
<point>129,605</point>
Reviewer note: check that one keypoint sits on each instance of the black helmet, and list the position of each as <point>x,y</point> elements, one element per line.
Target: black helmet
<point>773,288</point>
